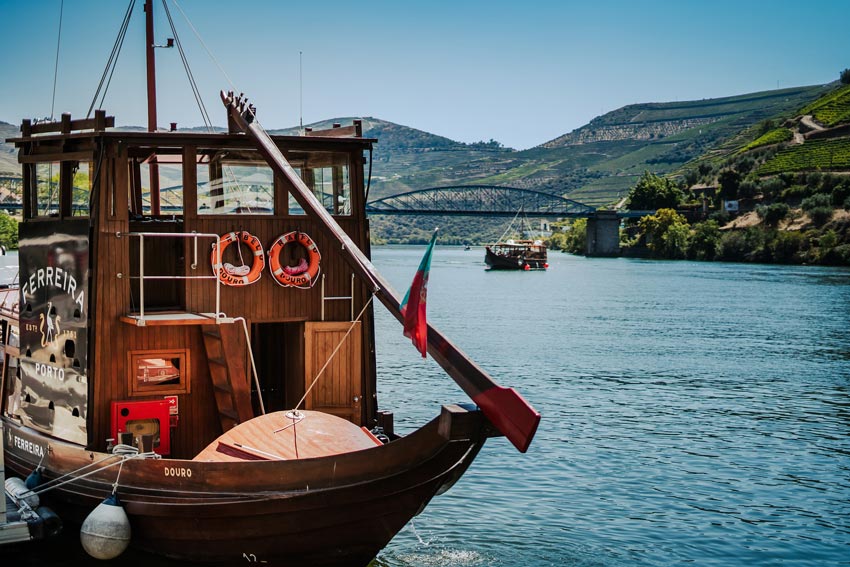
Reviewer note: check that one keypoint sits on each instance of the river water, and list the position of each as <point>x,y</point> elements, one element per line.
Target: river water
<point>693,413</point>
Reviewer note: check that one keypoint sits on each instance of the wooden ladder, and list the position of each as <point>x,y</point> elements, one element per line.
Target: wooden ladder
<point>229,373</point>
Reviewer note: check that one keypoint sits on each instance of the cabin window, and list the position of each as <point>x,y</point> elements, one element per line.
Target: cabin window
<point>169,172</point>
<point>232,182</point>
<point>327,176</point>
<point>81,189</point>
<point>158,372</point>
<point>47,189</point>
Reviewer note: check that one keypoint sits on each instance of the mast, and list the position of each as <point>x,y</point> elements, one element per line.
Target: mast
<point>151,73</point>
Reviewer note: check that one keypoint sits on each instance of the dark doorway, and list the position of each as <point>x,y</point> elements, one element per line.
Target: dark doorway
<point>279,356</point>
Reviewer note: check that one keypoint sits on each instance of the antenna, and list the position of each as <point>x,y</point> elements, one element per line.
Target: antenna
<point>300,95</point>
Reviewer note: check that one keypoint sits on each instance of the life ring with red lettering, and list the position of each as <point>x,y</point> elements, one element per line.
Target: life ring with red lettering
<point>232,275</point>
<point>303,275</point>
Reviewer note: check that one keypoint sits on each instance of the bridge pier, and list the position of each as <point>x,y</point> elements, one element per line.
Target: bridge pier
<point>603,234</point>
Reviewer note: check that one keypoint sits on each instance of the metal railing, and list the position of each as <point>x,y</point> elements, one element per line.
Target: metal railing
<point>142,277</point>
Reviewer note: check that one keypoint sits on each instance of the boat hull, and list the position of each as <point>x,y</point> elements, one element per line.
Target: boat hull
<point>335,510</point>
<point>503,262</point>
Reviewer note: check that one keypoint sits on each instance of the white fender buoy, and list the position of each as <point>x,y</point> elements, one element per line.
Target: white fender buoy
<point>106,531</point>
<point>18,490</point>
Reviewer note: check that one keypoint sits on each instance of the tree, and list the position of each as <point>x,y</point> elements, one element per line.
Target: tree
<point>819,208</point>
<point>8,230</point>
<point>667,233</point>
<point>577,237</point>
<point>772,214</point>
<point>845,77</point>
<point>730,182</point>
<point>704,241</point>
<point>653,192</point>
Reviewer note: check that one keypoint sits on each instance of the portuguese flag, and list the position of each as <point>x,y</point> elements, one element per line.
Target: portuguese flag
<point>413,304</point>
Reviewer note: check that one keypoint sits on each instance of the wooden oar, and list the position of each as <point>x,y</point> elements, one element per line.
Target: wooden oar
<point>506,409</point>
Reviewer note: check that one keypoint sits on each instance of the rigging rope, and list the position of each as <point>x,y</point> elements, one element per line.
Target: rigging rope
<point>220,68</point>
<point>338,346</point>
<point>192,83</point>
<point>56,67</point>
<point>510,225</point>
<point>113,58</point>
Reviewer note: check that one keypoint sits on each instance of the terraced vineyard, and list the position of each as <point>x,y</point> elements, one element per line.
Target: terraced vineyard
<point>814,155</point>
<point>831,110</point>
<point>773,137</point>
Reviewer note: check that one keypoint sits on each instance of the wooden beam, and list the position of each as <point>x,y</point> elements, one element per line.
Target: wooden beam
<point>98,123</point>
<point>57,156</point>
<point>506,409</point>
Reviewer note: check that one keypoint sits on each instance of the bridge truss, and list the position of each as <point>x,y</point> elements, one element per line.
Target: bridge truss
<point>480,200</point>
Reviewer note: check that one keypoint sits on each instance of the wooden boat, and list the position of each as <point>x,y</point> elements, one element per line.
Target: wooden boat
<point>516,255</point>
<point>264,440</point>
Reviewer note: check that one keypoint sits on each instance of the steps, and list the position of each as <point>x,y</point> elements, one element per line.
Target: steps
<point>226,351</point>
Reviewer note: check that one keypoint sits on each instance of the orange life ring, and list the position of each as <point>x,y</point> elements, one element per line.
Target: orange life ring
<point>305,274</point>
<point>236,275</point>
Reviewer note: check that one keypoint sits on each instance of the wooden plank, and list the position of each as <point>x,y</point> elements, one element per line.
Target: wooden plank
<point>339,388</point>
<point>338,132</point>
<point>67,125</point>
<point>87,155</point>
<point>315,435</point>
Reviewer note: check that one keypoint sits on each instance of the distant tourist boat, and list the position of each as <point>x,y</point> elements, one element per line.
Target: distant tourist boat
<point>517,255</point>
<point>180,397</point>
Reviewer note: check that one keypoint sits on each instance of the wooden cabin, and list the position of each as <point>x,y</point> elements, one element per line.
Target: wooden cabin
<point>120,303</point>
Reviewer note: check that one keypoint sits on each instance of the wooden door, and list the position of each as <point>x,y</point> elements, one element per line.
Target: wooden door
<point>339,389</point>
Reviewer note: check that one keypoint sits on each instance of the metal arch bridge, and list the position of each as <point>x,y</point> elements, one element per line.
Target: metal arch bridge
<point>479,200</point>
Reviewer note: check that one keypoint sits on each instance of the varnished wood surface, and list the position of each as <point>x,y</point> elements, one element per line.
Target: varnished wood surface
<point>316,435</point>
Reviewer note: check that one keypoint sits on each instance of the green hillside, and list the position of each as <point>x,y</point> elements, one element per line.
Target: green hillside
<point>831,110</point>
<point>596,164</point>
<point>8,155</point>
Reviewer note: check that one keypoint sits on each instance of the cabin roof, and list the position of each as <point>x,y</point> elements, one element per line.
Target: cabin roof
<point>193,138</point>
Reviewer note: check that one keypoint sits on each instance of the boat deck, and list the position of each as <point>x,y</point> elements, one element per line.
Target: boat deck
<point>282,436</point>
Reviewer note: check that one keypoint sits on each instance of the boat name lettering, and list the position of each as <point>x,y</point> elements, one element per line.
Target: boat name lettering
<point>181,472</point>
<point>50,371</point>
<point>25,445</point>
<point>55,277</point>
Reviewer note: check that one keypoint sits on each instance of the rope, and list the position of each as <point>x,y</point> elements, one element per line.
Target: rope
<point>113,58</point>
<point>126,453</point>
<point>336,350</point>
<point>253,364</point>
<point>510,225</point>
<point>192,83</point>
<point>56,67</point>
<point>220,68</point>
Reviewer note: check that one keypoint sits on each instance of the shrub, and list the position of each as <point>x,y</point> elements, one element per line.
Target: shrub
<point>772,214</point>
<point>576,237</point>
<point>667,234</point>
<point>844,77</point>
<point>840,193</point>
<point>819,208</point>
<point>786,246</point>
<point>815,201</point>
<point>8,230</point>
<point>704,241</point>
<point>840,255</point>
<point>820,215</point>
<point>771,188</point>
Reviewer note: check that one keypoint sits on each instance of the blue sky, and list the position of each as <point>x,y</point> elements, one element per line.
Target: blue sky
<point>520,72</point>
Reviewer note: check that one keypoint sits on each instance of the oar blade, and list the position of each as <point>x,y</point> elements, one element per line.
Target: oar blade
<point>510,413</point>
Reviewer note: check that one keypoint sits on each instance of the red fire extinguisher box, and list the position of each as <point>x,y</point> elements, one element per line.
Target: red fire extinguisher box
<point>143,418</point>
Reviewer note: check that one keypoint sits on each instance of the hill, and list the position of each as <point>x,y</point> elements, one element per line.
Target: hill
<point>596,164</point>
<point>9,165</point>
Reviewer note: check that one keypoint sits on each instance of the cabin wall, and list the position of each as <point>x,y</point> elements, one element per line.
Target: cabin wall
<point>114,295</point>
